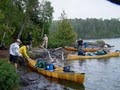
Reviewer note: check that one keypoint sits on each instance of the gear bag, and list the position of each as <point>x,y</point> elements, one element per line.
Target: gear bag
<point>50,67</point>
<point>66,69</point>
<point>41,64</point>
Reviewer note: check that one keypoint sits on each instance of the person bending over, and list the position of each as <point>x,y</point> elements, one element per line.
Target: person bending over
<point>81,52</point>
<point>23,50</point>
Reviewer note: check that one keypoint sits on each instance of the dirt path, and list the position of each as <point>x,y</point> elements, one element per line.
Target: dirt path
<point>4,53</point>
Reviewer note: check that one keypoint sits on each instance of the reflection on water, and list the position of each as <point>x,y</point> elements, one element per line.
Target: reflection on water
<point>65,83</point>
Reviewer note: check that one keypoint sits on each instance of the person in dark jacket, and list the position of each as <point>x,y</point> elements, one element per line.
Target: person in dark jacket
<point>80,43</point>
<point>81,52</point>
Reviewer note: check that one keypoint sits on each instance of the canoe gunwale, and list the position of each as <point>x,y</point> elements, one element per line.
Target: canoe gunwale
<point>84,49</point>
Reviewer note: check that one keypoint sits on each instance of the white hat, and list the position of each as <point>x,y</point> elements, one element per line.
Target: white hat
<point>18,40</point>
<point>105,46</point>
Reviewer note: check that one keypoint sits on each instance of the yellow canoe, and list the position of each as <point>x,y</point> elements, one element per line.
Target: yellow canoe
<point>84,49</point>
<point>58,73</point>
<point>77,57</point>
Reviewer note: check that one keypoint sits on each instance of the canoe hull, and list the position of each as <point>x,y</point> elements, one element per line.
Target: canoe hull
<point>84,49</point>
<point>77,57</point>
<point>58,73</point>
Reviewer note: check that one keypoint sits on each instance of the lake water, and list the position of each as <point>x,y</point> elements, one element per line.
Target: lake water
<point>103,74</point>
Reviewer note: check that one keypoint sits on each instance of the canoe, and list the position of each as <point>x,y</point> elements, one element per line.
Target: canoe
<point>58,73</point>
<point>77,57</point>
<point>84,49</point>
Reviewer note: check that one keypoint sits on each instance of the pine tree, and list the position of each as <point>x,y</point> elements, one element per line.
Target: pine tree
<point>65,33</point>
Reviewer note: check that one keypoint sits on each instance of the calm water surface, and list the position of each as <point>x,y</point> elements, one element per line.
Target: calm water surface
<point>102,74</point>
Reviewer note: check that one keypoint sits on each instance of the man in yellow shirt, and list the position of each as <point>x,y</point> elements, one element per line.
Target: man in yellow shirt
<point>23,51</point>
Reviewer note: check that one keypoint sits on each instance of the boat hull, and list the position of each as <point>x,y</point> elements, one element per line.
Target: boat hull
<point>58,73</point>
<point>77,57</point>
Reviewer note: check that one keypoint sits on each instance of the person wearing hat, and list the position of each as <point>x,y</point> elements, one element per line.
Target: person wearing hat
<point>80,43</point>
<point>14,52</point>
<point>106,49</point>
<point>23,50</point>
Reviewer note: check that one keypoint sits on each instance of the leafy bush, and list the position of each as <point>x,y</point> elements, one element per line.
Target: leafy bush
<point>8,77</point>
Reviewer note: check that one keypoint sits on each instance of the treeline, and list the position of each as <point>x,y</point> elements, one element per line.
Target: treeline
<point>94,28</point>
<point>18,17</point>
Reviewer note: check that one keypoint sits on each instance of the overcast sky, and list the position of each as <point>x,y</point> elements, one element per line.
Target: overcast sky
<point>85,9</point>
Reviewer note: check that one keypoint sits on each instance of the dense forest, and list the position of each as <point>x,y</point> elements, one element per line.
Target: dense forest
<point>19,17</point>
<point>92,28</point>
